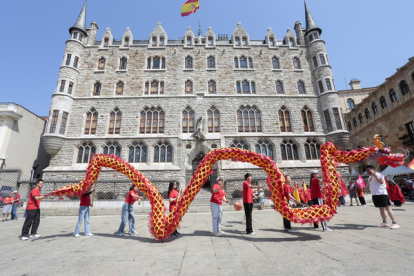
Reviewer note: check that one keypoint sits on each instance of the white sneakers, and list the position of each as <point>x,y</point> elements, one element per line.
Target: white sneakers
<point>394,226</point>
<point>90,234</point>
<point>217,234</point>
<point>23,238</point>
<point>251,233</point>
<point>134,233</point>
<point>328,230</point>
<point>221,232</point>
<point>34,236</point>
<point>76,235</point>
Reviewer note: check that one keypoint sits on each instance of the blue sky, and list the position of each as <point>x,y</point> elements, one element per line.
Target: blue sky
<point>366,39</point>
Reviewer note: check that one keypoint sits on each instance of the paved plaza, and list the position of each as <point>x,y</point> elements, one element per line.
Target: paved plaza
<point>355,247</point>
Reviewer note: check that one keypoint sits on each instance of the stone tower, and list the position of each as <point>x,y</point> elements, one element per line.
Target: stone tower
<point>329,102</point>
<point>62,99</point>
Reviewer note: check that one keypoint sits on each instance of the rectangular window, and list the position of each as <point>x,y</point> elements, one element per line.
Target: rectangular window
<point>68,58</point>
<point>126,44</point>
<point>322,57</point>
<point>328,84</point>
<point>315,62</point>
<point>63,123</point>
<point>236,63</point>
<point>328,120</point>
<point>70,88</point>
<point>75,35</point>
<point>163,63</point>
<point>320,86</point>
<point>106,42</point>
<point>53,123</point>
<point>62,86</point>
<point>410,128</point>
<point>75,63</point>
<point>80,37</point>
<point>311,38</point>
<point>337,118</point>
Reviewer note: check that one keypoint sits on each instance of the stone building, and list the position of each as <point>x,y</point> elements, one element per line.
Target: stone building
<point>20,144</point>
<point>162,104</point>
<point>387,111</point>
<point>352,97</point>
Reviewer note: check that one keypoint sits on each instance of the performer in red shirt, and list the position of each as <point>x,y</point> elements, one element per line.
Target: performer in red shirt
<point>128,211</point>
<point>15,205</point>
<point>216,203</point>
<point>85,202</point>
<point>33,213</point>
<point>395,194</point>
<point>173,196</point>
<point>316,196</point>
<point>288,196</point>
<point>8,202</point>
<point>308,198</point>
<point>248,201</point>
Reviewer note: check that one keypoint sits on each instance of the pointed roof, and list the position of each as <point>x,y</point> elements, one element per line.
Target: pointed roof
<point>310,23</point>
<point>80,23</point>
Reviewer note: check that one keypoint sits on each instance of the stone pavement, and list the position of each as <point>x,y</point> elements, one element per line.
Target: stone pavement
<point>355,247</point>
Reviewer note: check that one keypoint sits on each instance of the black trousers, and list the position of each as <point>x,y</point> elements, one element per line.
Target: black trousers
<point>362,200</point>
<point>33,221</point>
<point>248,209</point>
<point>286,224</point>
<point>319,201</point>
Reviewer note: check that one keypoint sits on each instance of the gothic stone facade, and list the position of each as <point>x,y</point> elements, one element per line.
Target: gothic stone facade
<point>98,78</point>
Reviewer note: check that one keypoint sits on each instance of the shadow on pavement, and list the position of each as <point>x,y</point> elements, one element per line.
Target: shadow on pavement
<point>142,239</point>
<point>352,227</point>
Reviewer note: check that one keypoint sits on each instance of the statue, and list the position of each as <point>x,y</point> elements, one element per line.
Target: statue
<point>198,131</point>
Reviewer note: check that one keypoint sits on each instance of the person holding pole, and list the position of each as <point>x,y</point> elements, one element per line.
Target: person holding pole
<point>216,206</point>
<point>128,211</point>
<point>316,196</point>
<point>173,196</point>
<point>33,213</point>
<point>288,195</point>
<point>248,201</point>
<point>380,197</point>
<point>85,202</point>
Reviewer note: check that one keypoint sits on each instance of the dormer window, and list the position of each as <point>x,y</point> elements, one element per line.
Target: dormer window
<point>237,42</point>
<point>271,42</point>
<point>210,41</point>
<point>154,41</point>
<point>126,42</point>
<point>106,42</point>
<point>244,41</point>
<point>189,41</point>
<point>162,41</point>
<point>291,44</point>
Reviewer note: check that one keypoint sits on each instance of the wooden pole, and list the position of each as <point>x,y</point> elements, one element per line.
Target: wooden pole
<point>369,181</point>
<point>93,195</point>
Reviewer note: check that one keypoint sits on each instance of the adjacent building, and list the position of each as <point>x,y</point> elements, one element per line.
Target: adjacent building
<point>162,104</point>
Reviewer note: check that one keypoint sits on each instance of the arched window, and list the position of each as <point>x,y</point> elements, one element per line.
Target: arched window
<point>154,88</point>
<point>374,108</point>
<point>271,42</point>
<point>126,42</point>
<point>163,152</point>
<point>307,120</point>
<point>120,88</point>
<point>154,41</point>
<point>210,41</point>
<point>101,64</point>
<point>383,102</point>
<point>279,87</point>
<point>355,122</point>
<point>289,150</point>
<point>106,42</point>
<point>243,62</point>
<point>212,87</point>
<point>246,86</point>
<point>244,41</point>
<point>123,64</point>
<point>236,63</point>
<point>349,126</point>
<point>213,120</point>
<point>312,150</point>
<point>296,63</point>
<point>367,113</point>
<point>350,103</point>
<point>301,87</point>
<point>156,62</point>
<point>239,144</point>
<point>404,87</point>
<point>249,119</point>
<point>284,120</point>
<point>188,87</point>
<point>188,120</point>
<point>361,118</point>
<point>238,87</point>
<point>189,41</point>
<point>264,148</point>
<point>237,41</point>
<point>275,63</point>
<point>162,41</point>
<point>112,148</point>
<point>91,121</point>
<point>188,62</point>
<point>152,120</point>
<point>211,62</point>
<point>137,153</point>
<point>97,89</point>
<point>86,151</point>
<point>291,43</point>
<point>250,63</point>
<point>115,121</point>
<point>321,89</point>
<point>393,95</point>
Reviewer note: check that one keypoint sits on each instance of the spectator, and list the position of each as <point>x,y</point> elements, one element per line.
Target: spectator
<point>8,202</point>
<point>352,193</point>
<point>33,213</point>
<point>15,205</point>
<point>216,203</point>
<point>262,199</point>
<point>394,193</point>
<point>360,193</point>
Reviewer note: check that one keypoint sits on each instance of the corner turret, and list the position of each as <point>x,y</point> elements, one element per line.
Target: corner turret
<point>80,24</point>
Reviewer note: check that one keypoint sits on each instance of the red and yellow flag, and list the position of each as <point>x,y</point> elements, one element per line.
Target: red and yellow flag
<point>411,165</point>
<point>190,7</point>
<point>296,193</point>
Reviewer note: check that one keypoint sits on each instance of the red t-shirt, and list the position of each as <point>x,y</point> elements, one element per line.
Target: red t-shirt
<point>85,200</point>
<point>17,196</point>
<point>247,193</point>
<point>217,197</point>
<point>130,199</point>
<point>308,195</point>
<point>8,201</point>
<point>173,194</point>
<point>315,189</point>
<point>33,204</point>
<point>288,190</point>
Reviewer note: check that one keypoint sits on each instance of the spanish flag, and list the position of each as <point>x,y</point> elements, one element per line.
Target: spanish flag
<point>296,193</point>
<point>190,7</point>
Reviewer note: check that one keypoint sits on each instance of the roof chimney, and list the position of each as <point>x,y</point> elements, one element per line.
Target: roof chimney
<point>355,84</point>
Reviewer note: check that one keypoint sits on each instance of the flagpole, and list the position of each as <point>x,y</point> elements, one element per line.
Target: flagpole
<point>199,20</point>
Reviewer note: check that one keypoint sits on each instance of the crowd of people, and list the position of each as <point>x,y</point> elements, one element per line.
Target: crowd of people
<point>313,194</point>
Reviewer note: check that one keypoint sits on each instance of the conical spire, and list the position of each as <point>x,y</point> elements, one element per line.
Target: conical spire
<point>310,23</point>
<point>80,23</point>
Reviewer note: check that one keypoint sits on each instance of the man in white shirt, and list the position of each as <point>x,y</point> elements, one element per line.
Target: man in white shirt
<point>380,197</point>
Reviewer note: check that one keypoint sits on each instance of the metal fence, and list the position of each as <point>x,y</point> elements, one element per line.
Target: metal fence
<point>105,190</point>
<point>8,182</point>
<point>234,187</point>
